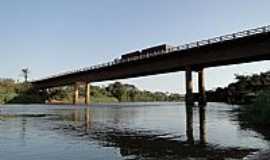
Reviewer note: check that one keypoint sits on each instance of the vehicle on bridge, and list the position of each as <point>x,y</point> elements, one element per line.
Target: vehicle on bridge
<point>131,55</point>
<point>146,52</point>
<point>157,49</point>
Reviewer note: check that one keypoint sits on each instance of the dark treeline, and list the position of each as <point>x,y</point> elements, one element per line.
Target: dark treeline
<point>16,92</point>
<point>243,91</point>
<point>253,92</point>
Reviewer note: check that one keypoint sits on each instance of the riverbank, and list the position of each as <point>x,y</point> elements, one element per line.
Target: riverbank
<point>21,93</point>
<point>257,115</point>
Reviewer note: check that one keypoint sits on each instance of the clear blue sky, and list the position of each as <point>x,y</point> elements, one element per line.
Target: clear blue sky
<point>51,36</point>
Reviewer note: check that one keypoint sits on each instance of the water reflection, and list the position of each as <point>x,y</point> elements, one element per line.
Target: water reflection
<point>202,122</point>
<point>132,132</point>
<point>23,130</point>
<point>189,124</point>
<point>141,144</point>
<point>145,145</point>
<point>87,117</point>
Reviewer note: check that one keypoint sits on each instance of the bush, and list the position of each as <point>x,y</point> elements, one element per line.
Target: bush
<point>259,112</point>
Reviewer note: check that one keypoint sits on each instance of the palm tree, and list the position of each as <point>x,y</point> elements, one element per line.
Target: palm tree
<point>25,73</point>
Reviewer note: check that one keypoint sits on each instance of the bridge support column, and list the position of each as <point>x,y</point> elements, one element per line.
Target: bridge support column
<point>76,93</point>
<point>87,93</point>
<point>189,87</point>
<point>48,95</point>
<point>202,94</point>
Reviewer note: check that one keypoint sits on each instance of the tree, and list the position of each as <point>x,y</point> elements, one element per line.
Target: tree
<point>25,73</point>
<point>117,90</point>
<point>241,78</point>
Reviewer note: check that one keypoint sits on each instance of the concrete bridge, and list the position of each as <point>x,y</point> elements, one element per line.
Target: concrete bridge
<point>242,47</point>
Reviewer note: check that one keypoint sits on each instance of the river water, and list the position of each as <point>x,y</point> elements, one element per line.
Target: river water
<point>124,131</point>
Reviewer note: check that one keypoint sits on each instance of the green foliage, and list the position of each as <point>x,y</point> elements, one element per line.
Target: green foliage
<point>263,99</point>
<point>118,91</point>
<point>243,91</point>
<point>26,94</point>
<point>6,97</point>
<point>12,92</point>
<point>64,93</point>
<point>7,90</point>
<point>115,92</point>
<point>7,86</point>
<point>103,99</point>
<point>259,112</point>
<point>129,93</point>
<point>175,97</point>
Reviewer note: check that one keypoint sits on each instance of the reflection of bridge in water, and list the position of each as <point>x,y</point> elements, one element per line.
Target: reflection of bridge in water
<point>148,144</point>
<point>133,143</point>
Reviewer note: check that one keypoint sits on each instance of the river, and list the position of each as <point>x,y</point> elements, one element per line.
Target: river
<point>124,131</point>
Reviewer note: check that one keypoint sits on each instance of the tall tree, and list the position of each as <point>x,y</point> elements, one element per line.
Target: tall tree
<point>25,72</point>
<point>117,90</point>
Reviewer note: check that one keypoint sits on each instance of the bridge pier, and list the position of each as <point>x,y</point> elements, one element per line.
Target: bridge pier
<point>76,93</point>
<point>87,93</point>
<point>189,87</point>
<point>202,94</point>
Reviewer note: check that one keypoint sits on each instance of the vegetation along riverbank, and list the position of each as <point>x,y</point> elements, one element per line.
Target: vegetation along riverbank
<point>17,92</point>
<point>252,92</point>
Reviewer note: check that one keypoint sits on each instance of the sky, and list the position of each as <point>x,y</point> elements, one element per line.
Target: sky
<point>52,36</point>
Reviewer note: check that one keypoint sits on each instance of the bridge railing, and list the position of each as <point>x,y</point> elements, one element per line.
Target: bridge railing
<point>187,46</point>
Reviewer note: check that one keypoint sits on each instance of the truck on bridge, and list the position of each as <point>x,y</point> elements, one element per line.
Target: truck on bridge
<point>146,52</point>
